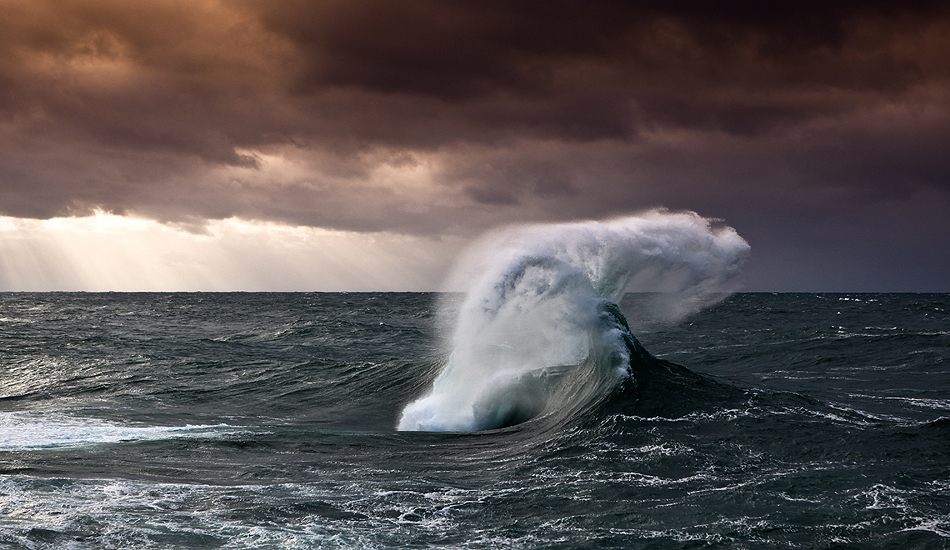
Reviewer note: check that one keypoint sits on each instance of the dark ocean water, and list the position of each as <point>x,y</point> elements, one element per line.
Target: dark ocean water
<point>268,421</point>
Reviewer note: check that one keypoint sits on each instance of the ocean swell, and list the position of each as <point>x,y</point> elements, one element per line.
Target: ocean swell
<point>539,332</point>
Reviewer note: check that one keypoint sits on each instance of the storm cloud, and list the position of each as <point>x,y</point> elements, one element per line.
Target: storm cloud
<point>821,135</point>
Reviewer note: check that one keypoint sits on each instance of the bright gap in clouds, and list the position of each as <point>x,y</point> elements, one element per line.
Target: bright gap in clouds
<point>106,252</point>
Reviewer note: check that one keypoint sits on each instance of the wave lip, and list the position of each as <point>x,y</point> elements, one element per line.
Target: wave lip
<point>541,296</point>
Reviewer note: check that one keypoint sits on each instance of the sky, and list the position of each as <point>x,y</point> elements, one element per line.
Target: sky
<point>361,144</point>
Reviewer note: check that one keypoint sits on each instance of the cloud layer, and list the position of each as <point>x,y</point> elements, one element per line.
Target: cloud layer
<point>810,132</point>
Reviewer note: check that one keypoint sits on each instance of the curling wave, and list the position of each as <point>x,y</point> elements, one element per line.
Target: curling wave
<point>539,332</point>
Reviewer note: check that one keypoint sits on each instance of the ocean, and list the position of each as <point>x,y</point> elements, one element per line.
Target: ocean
<point>322,420</point>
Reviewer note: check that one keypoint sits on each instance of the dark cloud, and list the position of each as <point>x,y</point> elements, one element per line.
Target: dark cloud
<point>600,69</point>
<point>447,117</point>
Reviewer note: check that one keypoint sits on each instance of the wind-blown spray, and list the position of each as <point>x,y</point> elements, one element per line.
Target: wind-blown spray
<point>534,311</point>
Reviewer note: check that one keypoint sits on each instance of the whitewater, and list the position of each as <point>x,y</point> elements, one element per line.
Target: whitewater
<point>537,303</point>
<point>595,384</point>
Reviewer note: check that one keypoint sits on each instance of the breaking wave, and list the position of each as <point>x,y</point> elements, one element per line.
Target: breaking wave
<point>539,333</point>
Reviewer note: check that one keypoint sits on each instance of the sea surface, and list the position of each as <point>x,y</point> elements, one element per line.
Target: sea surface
<point>246,420</point>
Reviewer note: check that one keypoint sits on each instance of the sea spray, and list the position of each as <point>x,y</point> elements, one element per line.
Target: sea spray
<point>531,335</point>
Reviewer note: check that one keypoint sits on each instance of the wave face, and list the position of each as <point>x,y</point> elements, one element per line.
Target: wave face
<point>538,332</point>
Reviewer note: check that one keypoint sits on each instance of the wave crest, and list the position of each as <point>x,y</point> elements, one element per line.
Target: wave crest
<point>538,330</point>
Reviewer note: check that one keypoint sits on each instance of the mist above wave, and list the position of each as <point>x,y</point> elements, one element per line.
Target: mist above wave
<point>534,307</point>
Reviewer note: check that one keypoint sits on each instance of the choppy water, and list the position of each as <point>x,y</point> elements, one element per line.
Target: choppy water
<point>269,421</point>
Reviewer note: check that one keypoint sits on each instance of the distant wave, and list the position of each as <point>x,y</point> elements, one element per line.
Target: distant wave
<point>41,430</point>
<point>539,332</point>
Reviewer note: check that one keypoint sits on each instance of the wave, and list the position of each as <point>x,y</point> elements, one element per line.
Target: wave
<point>539,332</point>
<point>35,430</point>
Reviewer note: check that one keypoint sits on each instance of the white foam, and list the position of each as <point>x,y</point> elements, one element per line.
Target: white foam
<point>533,296</point>
<point>42,430</point>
